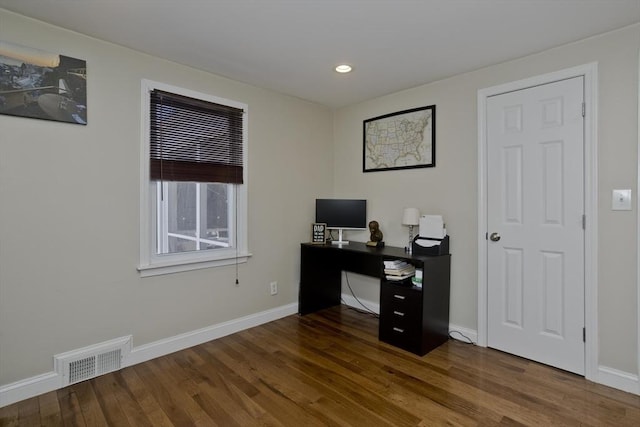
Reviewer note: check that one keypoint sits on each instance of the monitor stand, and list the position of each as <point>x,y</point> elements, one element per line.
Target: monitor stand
<point>339,241</point>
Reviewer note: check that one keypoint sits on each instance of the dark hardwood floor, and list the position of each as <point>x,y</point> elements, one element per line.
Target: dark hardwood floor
<point>329,368</point>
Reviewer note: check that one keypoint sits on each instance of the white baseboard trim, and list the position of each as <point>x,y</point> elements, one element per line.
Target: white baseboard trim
<point>351,301</point>
<point>180,342</point>
<point>34,386</point>
<point>50,381</point>
<point>463,334</point>
<point>618,379</point>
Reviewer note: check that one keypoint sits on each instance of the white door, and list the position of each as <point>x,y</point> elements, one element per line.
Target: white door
<point>535,194</point>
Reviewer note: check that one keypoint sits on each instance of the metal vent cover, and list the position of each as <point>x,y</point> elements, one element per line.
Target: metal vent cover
<point>90,362</point>
<point>80,370</point>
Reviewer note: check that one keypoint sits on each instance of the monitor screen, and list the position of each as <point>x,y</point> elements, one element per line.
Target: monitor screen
<point>342,213</point>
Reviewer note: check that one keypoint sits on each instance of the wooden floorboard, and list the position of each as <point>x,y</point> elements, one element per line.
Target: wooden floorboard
<point>328,368</point>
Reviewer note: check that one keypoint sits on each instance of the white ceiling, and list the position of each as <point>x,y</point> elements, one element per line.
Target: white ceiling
<point>292,46</point>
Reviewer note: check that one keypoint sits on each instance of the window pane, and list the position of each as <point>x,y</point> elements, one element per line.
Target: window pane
<point>192,216</point>
<point>217,213</point>
<point>177,244</point>
<point>183,209</point>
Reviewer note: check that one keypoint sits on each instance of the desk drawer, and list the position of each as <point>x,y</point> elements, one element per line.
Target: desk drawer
<point>400,321</point>
<point>404,335</point>
<point>406,300</point>
<point>397,316</point>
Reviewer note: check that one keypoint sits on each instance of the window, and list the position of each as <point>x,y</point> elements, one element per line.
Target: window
<point>193,180</point>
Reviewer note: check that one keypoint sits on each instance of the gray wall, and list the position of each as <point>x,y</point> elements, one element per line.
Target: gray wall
<point>450,188</point>
<point>69,222</point>
<point>69,229</point>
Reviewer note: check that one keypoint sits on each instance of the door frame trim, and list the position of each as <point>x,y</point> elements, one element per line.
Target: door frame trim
<point>638,231</point>
<point>590,74</point>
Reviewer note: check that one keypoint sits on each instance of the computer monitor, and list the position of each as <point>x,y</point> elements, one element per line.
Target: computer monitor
<point>342,214</point>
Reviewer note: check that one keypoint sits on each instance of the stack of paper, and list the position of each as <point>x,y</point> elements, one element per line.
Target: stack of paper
<point>398,270</point>
<point>432,227</point>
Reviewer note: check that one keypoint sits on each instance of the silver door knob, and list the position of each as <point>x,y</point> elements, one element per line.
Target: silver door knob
<point>494,237</point>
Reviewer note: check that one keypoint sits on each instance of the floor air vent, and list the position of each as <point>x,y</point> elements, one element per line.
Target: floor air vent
<point>90,362</point>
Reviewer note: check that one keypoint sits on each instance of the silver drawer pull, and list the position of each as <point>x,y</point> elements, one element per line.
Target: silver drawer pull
<point>399,296</point>
<point>398,330</point>
<point>398,313</point>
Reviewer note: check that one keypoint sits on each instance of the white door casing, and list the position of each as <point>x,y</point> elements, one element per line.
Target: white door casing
<point>637,391</point>
<point>550,262</point>
<point>535,214</point>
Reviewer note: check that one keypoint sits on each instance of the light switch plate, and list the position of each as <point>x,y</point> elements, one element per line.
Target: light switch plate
<point>621,200</point>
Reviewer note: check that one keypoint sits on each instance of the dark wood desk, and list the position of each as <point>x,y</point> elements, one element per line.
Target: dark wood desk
<point>416,319</point>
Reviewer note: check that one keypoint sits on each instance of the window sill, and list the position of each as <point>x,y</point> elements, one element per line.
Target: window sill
<point>178,266</point>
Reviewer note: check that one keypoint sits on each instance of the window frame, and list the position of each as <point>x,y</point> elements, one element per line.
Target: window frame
<point>151,263</point>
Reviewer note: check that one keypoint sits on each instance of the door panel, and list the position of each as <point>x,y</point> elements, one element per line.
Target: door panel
<point>536,203</point>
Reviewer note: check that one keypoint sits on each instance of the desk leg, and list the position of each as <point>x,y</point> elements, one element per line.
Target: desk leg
<point>320,282</point>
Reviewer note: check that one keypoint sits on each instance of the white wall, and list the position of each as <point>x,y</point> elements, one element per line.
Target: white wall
<point>450,188</point>
<point>69,222</point>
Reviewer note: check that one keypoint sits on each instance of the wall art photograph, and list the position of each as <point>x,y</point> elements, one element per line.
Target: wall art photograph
<point>42,85</point>
<point>402,140</point>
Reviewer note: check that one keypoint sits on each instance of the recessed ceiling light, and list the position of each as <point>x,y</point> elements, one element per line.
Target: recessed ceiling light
<point>343,68</point>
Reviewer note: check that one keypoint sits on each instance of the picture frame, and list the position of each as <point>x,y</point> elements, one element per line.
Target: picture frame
<point>402,140</point>
<point>38,84</point>
<point>318,233</point>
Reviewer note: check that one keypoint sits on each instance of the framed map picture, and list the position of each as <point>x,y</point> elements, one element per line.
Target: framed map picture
<point>402,140</point>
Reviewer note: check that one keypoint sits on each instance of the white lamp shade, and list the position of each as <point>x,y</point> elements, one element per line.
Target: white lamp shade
<point>411,216</point>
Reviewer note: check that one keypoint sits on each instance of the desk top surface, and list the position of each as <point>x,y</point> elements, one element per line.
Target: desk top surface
<point>389,251</point>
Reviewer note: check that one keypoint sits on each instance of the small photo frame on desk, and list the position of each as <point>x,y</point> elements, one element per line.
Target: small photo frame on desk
<point>318,233</point>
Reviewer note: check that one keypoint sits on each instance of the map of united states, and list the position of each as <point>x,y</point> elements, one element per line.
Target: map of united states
<point>399,141</point>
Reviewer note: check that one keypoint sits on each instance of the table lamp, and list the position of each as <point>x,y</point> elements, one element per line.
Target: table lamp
<point>410,217</point>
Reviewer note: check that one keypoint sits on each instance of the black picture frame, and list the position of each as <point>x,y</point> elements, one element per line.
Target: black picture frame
<point>318,233</point>
<point>402,140</point>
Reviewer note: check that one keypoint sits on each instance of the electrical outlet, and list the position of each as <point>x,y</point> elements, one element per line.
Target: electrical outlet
<point>274,288</point>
